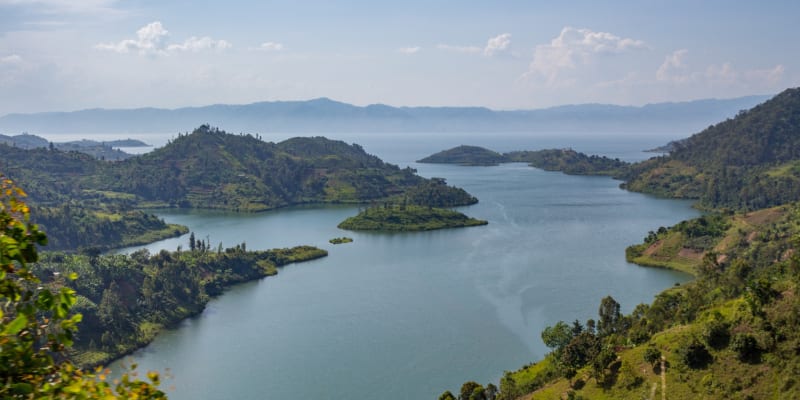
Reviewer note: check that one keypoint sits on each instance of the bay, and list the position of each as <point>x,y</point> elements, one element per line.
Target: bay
<point>407,316</point>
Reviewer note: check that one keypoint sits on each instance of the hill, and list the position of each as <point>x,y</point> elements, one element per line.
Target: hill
<point>734,332</point>
<point>411,218</point>
<point>100,150</point>
<point>88,203</point>
<point>751,161</point>
<point>213,169</point>
<point>325,115</point>
<point>565,160</point>
<point>465,155</point>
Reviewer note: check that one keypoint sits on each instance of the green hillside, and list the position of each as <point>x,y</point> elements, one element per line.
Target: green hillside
<point>88,203</point>
<point>749,162</point>
<point>466,155</point>
<point>564,160</point>
<point>398,218</point>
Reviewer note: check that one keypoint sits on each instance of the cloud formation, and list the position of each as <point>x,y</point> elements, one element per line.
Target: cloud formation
<point>271,46</point>
<point>494,45</point>
<point>574,48</point>
<point>409,50</point>
<point>497,44</point>
<point>12,59</point>
<point>674,68</point>
<point>151,40</point>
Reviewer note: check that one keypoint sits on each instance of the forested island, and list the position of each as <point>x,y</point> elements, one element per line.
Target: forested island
<point>734,332</point>
<point>407,218</point>
<point>565,160</point>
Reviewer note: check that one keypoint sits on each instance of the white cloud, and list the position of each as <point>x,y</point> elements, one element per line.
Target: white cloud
<point>13,59</point>
<point>574,48</point>
<point>271,46</point>
<point>493,46</point>
<point>195,44</point>
<point>460,49</point>
<point>409,50</point>
<point>497,44</point>
<point>673,68</point>
<point>151,40</point>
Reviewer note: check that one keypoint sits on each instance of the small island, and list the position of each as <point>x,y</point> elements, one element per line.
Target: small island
<point>568,161</point>
<point>466,155</point>
<point>341,240</point>
<point>408,218</point>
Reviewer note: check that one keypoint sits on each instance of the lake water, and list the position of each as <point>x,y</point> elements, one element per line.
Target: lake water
<point>407,316</point>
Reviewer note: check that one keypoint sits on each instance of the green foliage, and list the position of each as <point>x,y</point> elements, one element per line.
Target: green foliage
<point>570,162</point>
<point>466,155</point>
<point>652,355</point>
<point>746,347</point>
<point>394,218</point>
<point>341,240</point>
<point>469,390</point>
<point>126,300</point>
<point>36,323</point>
<point>213,169</point>
<point>694,354</point>
<point>745,163</point>
<point>565,160</point>
<point>558,336</point>
<point>447,396</point>
<point>436,193</point>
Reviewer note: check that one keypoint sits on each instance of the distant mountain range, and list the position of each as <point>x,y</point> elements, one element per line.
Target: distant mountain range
<point>327,116</point>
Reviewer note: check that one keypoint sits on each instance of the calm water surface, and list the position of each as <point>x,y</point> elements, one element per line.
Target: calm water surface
<point>407,316</point>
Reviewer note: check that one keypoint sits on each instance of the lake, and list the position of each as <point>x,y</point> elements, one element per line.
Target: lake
<point>410,315</point>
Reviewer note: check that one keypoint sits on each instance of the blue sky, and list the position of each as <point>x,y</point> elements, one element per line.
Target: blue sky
<point>73,54</point>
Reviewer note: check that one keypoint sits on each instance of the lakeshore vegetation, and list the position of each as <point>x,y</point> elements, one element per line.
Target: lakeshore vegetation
<point>734,332</point>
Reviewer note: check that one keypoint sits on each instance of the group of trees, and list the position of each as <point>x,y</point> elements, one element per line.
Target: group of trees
<point>747,162</point>
<point>37,325</point>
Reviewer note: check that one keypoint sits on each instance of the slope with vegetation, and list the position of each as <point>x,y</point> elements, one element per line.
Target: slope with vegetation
<point>749,162</point>
<point>85,202</point>
<point>466,155</point>
<point>565,160</point>
<point>407,218</point>
<point>734,332</point>
<point>37,327</point>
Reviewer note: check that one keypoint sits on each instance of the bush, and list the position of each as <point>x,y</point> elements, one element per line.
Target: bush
<point>652,355</point>
<point>716,334</point>
<point>746,347</point>
<point>695,355</point>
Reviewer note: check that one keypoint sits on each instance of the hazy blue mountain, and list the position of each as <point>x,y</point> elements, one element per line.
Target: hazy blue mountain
<point>326,115</point>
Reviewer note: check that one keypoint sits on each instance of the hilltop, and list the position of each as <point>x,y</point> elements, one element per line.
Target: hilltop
<point>210,169</point>
<point>466,155</point>
<point>748,162</point>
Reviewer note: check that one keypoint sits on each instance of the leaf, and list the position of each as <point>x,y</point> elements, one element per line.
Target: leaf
<point>16,325</point>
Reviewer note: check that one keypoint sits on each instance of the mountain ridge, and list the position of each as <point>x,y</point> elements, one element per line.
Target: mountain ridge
<point>327,115</point>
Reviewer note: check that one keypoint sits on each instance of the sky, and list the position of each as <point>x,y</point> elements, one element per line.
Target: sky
<point>64,55</point>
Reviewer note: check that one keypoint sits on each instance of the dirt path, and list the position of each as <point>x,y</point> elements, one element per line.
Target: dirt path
<point>663,378</point>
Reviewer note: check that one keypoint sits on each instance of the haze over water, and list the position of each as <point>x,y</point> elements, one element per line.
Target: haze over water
<point>407,316</point>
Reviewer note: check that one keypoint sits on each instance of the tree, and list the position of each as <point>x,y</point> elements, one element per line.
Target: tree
<point>447,396</point>
<point>609,316</point>
<point>467,390</point>
<point>556,337</point>
<point>36,325</point>
<point>192,242</point>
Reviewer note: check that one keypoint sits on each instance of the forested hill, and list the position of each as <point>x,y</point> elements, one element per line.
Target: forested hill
<point>751,161</point>
<point>213,169</point>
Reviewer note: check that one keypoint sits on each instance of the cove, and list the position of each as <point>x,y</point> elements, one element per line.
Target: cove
<point>407,316</point>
